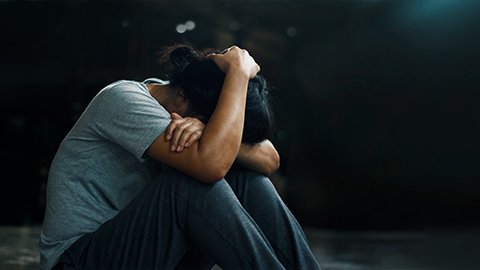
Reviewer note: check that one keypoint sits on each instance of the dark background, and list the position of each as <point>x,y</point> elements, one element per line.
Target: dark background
<point>376,101</point>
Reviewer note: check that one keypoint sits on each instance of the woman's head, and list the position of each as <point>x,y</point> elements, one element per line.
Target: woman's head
<point>201,81</point>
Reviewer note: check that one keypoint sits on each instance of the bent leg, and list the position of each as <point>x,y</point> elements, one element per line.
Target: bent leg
<point>159,227</point>
<point>259,197</point>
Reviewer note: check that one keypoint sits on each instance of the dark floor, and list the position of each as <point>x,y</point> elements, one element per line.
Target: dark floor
<point>456,250</point>
<point>18,248</point>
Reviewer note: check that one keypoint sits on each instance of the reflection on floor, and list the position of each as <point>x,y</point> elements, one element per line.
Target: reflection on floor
<point>334,250</point>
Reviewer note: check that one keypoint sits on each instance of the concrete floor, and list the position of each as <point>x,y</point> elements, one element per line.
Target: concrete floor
<point>456,250</point>
<point>18,248</point>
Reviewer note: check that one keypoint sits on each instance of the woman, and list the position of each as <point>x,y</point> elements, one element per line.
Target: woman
<point>131,189</point>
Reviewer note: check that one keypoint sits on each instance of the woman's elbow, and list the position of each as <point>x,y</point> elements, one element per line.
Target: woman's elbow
<point>275,164</point>
<point>213,173</point>
<point>210,178</point>
<point>269,168</point>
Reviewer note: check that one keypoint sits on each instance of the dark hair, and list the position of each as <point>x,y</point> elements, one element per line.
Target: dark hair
<point>202,81</point>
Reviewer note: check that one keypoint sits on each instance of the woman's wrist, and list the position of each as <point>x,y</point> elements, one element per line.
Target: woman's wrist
<point>237,78</point>
<point>238,71</point>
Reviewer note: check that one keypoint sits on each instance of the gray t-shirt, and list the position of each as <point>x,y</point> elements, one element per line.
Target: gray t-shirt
<point>100,166</point>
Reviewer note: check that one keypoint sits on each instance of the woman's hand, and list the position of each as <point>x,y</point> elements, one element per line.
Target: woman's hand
<point>182,132</point>
<point>235,59</point>
<point>261,157</point>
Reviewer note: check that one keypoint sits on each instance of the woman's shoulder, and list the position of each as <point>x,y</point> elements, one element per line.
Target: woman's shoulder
<point>124,86</point>
<point>126,90</point>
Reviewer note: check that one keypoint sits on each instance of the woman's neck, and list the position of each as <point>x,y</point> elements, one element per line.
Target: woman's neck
<point>164,94</point>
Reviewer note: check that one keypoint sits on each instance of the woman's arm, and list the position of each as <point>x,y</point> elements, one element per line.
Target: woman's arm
<point>261,157</point>
<point>210,158</point>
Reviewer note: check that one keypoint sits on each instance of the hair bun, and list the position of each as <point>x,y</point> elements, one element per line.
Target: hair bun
<point>182,56</point>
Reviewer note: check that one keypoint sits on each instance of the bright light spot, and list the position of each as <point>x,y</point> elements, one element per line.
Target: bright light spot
<point>184,27</point>
<point>291,31</point>
<point>181,28</point>
<point>190,25</point>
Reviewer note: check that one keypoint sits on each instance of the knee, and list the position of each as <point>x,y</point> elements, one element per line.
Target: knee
<point>262,184</point>
<point>251,181</point>
<point>243,173</point>
<point>190,189</point>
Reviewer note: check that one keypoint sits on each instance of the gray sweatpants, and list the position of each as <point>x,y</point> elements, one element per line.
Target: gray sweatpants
<point>239,222</point>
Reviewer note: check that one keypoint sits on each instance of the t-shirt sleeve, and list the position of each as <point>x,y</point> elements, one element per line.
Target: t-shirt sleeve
<point>129,116</point>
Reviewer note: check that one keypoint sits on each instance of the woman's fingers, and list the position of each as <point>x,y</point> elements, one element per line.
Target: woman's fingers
<point>181,130</point>
<point>194,137</point>
<point>225,50</point>
<point>184,132</point>
<point>176,120</point>
<point>175,116</point>
<point>190,134</point>
<point>237,59</point>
